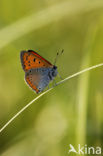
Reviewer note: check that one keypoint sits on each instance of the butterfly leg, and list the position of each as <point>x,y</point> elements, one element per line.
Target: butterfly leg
<point>48,86</point>
<point>54,83</point>
<point>60,76</point>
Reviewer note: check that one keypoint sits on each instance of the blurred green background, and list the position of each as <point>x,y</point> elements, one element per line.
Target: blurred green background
<point>71,113</point>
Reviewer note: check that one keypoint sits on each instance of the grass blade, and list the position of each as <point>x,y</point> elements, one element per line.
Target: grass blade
<point>39,96</point>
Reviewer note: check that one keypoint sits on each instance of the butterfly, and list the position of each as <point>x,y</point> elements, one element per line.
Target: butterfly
<point>38,71</point>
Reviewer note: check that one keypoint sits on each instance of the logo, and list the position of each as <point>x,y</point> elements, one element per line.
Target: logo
<point>84,150</point>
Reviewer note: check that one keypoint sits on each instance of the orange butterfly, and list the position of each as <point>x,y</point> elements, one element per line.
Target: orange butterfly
<point>38,71</point>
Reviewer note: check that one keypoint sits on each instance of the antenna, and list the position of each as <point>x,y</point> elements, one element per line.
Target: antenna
<point>58,54</point>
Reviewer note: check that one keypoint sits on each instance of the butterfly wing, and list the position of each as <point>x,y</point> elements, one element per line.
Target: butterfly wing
<point>31,59</point>
<point>38,78</point>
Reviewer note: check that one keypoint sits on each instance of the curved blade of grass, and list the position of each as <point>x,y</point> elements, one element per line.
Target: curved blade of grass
<point>44,17</point>
<point>62,81</point>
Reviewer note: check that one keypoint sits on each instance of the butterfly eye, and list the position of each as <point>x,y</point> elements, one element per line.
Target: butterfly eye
<point>54,67</point>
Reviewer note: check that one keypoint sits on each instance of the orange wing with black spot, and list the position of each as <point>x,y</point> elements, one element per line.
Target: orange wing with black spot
<point>30,59</point>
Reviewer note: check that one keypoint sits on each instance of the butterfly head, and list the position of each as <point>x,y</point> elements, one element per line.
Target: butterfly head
<point>54,71</point>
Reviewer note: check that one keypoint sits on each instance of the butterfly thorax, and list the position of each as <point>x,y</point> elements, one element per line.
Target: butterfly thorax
<point>52,73</point>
